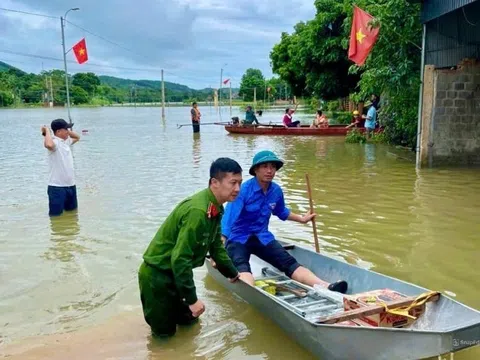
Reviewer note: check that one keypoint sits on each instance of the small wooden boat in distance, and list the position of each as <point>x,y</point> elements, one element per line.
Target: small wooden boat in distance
<point>446,326</point>
<point>306,130</point>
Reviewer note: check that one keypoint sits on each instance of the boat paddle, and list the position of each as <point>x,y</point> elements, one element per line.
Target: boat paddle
<point>315,236</point>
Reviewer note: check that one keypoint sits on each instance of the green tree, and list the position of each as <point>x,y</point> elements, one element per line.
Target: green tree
<point>34,94</point>
<point>87,81</point>
<point>393,67</point>
<point>79,95</point>
<point>6,98</point>
<point>253,78</point>
<point>312,60</point>
<point>278,88</point>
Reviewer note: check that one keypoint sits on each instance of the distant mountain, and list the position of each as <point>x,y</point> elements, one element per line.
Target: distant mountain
<point>155,85</point>
<point>142,84</point>
<point>120,83</point>
<point>6,67</point>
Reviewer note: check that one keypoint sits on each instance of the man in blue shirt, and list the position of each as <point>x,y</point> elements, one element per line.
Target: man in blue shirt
<point>370,120</point>
<point>245,225</point>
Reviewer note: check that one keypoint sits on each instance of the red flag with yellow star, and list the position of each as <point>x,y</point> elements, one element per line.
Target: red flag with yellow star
<point>362,36</point>
<point>80,51</point>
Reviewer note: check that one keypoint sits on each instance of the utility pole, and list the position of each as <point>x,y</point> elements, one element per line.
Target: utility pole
<point>220,90</point>
<point>255,98</point>
<point>51,92</point>
<point>62,23</point>
<point>46,97</point>
<point>163,98</point>
<point>215,97</point>
<point>264,92</point>
<point>230,98</point>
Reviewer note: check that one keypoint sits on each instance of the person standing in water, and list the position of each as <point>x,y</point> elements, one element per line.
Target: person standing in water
<point>62,191</point>
<point>196,115</point>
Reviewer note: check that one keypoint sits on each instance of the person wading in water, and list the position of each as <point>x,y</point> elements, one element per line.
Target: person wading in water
<point>196,115</point>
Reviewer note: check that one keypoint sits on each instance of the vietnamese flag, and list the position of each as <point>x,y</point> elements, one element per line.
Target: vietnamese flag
<point>80,50</point>
<point>226,81</point>
<point>362,36</point>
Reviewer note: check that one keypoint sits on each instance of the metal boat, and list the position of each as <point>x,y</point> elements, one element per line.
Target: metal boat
<point>446,326</point>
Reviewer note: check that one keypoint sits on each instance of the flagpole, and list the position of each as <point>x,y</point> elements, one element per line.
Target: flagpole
<point>420,100</point>
<point>62,23</point>
<point>220,88</point>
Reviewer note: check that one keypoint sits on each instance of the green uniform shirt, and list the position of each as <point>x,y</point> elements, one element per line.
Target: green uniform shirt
<point>190,231</point>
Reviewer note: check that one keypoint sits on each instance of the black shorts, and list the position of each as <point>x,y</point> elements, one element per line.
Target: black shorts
<point>273,253</point>
<point>61,198</point>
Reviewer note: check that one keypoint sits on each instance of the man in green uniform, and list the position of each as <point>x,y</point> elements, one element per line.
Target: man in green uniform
<point>192,229</point>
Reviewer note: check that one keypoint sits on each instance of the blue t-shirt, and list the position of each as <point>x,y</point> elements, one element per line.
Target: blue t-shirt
<point>371,118</point>
<point>250,213</point>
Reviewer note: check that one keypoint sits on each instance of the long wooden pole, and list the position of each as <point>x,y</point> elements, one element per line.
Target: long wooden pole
<point>163,97</point>
<point>314,225</point>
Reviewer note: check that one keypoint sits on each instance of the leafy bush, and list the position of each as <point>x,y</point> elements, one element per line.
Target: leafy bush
<point>378,138</point>
<point>333,105</point>
<point>314,104</point>
<point>354,136</point>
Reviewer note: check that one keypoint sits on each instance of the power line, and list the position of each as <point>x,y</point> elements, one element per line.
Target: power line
<point>29,13</point>
<point>96,65</point>
<point>91,64</point>
<point>101,37</point>
<point>73,62</point>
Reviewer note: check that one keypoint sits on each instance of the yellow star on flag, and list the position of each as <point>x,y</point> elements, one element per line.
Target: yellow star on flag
<point>360,35</point>
<point>82,50</point>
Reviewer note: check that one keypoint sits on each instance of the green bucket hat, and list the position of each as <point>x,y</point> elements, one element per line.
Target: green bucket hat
<point>263,157</point>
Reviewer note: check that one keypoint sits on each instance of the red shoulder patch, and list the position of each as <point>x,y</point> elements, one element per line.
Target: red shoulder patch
<point>212,210</point>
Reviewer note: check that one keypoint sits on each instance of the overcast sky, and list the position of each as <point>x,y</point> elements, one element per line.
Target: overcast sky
<point>191,39</point>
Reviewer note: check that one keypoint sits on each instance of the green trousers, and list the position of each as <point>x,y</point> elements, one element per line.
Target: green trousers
<point>162,307</point>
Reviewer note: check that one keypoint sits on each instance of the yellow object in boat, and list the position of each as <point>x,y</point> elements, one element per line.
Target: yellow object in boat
<point>265,285</point>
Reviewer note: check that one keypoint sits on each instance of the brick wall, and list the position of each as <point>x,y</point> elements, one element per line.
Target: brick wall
<point>451,116</point>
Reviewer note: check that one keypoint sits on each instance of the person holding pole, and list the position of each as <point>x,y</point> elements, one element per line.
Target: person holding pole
<point>245,225</point>
<point>196,115</point>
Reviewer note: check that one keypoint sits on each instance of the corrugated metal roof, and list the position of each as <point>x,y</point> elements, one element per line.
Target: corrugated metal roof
<point>432,9</point>
<point>453,37</point>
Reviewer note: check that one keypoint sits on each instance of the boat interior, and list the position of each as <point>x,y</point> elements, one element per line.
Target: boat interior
<point>443,315</point>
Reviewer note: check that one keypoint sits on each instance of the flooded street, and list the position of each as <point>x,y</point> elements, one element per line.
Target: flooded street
<point>68,285</point>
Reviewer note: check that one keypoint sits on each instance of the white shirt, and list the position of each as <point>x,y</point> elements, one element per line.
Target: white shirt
<point>60,162</point>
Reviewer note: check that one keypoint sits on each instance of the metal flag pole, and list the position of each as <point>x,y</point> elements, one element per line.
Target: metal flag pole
<point>62,23</point>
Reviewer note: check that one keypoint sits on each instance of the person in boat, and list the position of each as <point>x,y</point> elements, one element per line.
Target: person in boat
<point>357,120</point>
<point>245,225</point>
<point>287,118</point>
<point>196,115</point>
<point>167,289</point>
<point>250,117</point>
<point>320,121</point>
